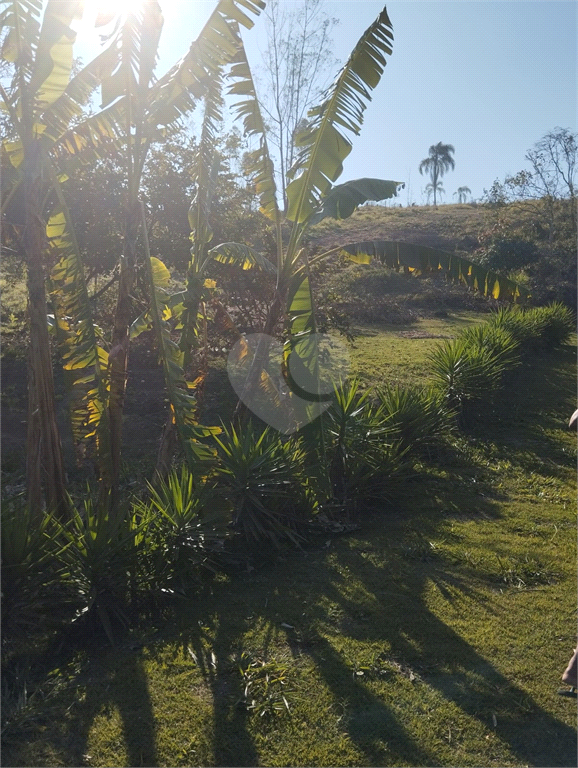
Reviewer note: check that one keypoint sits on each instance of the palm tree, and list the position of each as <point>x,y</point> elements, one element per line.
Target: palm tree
<point>430,189</point>
<point>462,194</point>
<point>439,161</point>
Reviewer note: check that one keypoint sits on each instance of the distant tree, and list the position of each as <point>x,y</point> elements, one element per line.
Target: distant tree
<point>431,190</point>
<point>553,160</point>
<point>295,62</point>
<point>544,198</point>
<point>436,164</point>
<point>551,183</point>
<point>462,193</point>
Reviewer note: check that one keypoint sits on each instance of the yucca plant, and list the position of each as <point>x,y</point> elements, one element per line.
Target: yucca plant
<point>363,457</point>
<point>467,375</point>
<point>187,523</point>
<point>262,475</point>
<point>496,340</point>
<point>557,323</point>
<point>32,583</point>
<point>418,417</point>
<point>524,325</point>
<point>101,560</point>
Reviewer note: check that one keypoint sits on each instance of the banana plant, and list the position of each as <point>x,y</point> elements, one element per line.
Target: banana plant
<point>79,339</point>
<point>41,101</point>
<point>188,306</point>
<point>136,111</point>
<point>180,391</point>
<point>323,146</point>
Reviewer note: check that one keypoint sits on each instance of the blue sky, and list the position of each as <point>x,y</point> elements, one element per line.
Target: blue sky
<point>488,76</point>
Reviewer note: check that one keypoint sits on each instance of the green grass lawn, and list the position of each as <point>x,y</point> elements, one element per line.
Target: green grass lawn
<point>434,635</point>
<point>393,354</point>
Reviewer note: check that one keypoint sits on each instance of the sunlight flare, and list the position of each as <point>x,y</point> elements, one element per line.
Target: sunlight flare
<point>102,12</point>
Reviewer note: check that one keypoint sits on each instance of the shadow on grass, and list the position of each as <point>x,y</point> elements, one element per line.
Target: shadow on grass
<point>525,417</point>
<point>111,679</point>
<point>216,649</point>
<point>388,609</point>
<point>377,583</point>
<point>420,641</point>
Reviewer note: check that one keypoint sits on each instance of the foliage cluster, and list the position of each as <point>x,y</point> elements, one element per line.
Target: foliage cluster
<point>542,248</point>
<point>64,151</point>
<point>479,545</point>
<point>260,489</point>
<point>471,369</point>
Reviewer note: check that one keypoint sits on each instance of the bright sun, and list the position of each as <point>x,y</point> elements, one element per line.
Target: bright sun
<point>102,12</point>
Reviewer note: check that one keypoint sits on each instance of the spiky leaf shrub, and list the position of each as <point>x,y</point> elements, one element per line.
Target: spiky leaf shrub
<point>31,574</point>
<point>557,323</point>
<point>262,475</point>
<point>537,328</point>
<point>363,459</point>
<point>496,340</point>
<point>186,526</point>
<point>525,326</point>
<point>467,375</point>
<point>419,417</point>
<point>102,560</point>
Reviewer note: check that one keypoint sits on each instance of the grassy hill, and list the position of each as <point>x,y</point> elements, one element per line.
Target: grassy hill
<point>524,240</point>
<point>448,227</point>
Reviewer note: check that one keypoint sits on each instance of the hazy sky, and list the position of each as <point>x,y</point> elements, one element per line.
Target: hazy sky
<point>488,76</point>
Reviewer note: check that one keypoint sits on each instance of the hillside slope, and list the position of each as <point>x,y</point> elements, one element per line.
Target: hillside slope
<point>533,241</point>
<point>449,227</point>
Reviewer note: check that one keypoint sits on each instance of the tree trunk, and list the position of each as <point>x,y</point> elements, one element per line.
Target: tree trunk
<point>45,477</point>
<point>118,356</point>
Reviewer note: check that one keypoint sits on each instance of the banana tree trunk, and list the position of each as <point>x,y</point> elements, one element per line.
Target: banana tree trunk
<point>118,356</point>
<point>45,477</point>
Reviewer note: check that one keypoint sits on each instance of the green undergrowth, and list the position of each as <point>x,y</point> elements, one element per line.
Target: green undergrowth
<point>434,634</point>
<point>382,353</point>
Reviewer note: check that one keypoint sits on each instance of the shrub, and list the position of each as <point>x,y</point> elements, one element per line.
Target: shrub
<point>525,327</point>
<point>262,476</point>
<point>496,340</point>
<point>101,556</point>
<point>538,328</point>
<point>186,525</point>
<point>557,323</point>
<point>31,576</point>
<point>419,417</point>
<point>362,457</point>
<point>467,375</point>
<point>507,254</point>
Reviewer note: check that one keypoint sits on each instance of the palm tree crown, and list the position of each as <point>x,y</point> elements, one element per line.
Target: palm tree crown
<point>437,163</point>
<point>462,193</point>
